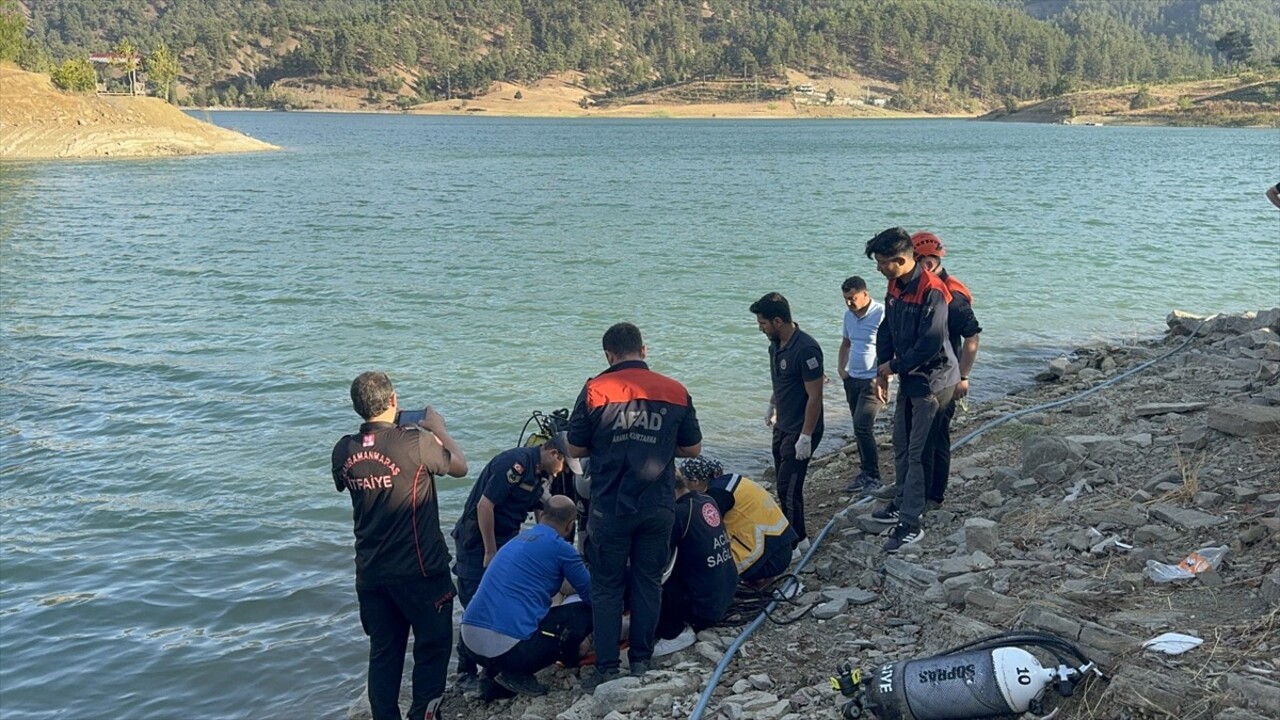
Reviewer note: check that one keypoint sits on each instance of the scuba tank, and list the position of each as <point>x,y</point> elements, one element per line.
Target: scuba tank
<point>576,487</point>
<point>988,678</point>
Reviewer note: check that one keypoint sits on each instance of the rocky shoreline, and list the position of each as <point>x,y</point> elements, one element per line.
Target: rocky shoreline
<point>1051,520</point>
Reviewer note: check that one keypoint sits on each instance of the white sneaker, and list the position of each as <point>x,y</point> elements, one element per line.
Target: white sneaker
<point>803,545</point>
<point>686,638</point>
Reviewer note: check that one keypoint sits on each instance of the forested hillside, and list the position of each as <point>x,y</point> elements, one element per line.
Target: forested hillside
<point>991,50</point>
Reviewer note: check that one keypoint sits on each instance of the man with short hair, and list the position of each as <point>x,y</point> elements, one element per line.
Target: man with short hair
<point>912,344</point>
<point>862,319</point>
<point>963,333</point>
<point>759,534</point>
<point>512,484</point>
<point>632,423</point>
<point>510,626</point>
<point>795,407</point>
<point>402,562</point>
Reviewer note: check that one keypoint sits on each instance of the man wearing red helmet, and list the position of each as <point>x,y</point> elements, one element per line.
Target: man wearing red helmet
<point>962,332</point>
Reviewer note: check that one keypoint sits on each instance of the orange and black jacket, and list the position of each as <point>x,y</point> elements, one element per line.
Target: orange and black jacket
<point>913,336</point>
<point>961,322</point>
<point>632,420</point>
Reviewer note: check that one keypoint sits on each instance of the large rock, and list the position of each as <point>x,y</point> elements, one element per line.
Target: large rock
<point>1257,694</point>
<point>1249,340</point>
<point>852,595</point>
<point>628,694</point>
<point>1185,518</point>
<point>1271,586</point>
<point>1050,458</point>
<point>1245,420</point>
<point>1152,409</point>
<point>980,535</point>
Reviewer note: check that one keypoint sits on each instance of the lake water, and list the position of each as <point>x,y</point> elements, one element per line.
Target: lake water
<point>178,337</point>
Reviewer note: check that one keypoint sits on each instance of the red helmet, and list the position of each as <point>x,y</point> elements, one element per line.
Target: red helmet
<point>926,243</point>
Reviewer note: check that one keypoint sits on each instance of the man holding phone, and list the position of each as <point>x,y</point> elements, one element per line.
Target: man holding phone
<point>402,562</point>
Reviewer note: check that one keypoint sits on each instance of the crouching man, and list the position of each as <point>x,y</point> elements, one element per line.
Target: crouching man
<point>510,627</point>
<point>759,535</point>
<point>700,589</point>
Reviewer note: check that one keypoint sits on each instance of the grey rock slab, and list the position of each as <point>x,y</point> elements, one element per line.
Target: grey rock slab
<point>1271,587</point>
<point>1041,453</point>
<point>711,652</point>
<point>1148,534</point>
<point>853,596</point>
<point>909,574</point>
<point>830,609</point>
<point>1152,409</point>
<point>1259,694</point>
<point>583,709</point>
<point>760,681</point>
<point>1243,420</point>
<point>1185,518</point>
<point>753,700</point>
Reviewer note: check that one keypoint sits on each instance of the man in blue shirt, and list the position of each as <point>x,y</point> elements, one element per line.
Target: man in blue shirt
<point>510,626</point>
<point>511,486</point>
<point>862,319</point>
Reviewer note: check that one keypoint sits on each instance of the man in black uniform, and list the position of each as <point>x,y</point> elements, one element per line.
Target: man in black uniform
<point>402,562</point>
<point>701,587</point>
<point>511,486</point>
<point>632,423</point>
<point>795,408</point>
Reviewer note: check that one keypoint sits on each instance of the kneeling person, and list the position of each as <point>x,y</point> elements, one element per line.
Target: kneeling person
<point>759,535</point>
<point>700,589</point>
<point>510,627</point>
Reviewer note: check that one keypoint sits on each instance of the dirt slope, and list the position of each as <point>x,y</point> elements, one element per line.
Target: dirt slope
<point>38,121</point>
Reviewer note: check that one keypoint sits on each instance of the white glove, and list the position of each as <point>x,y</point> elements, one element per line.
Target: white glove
<point>771,415</point>
<point>804,447</point>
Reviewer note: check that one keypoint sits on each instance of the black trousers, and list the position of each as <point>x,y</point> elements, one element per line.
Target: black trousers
<point>791,472</point>
<point>937,459</point>
<point>466,590</point>
<point>864,405</point>
<point>678,611</point>
<point>558,637</point>
<point>775,561</point>
<point>387,613</point>
<point>640,539</point>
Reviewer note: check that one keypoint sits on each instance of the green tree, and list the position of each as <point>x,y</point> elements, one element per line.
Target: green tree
<point>1143,99</point>
<point>1236,46</point>
<point>75,75</point>
<point>129,53</point>
<point>13,30</point>
<point>163,69</point>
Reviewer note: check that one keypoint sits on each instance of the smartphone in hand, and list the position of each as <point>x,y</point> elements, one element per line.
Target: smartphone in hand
<point>405,418</point>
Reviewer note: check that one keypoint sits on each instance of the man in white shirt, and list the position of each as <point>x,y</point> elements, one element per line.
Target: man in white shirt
<point>858,371</point>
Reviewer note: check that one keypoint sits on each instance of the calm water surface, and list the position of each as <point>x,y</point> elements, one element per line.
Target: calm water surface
<point>177,337</point>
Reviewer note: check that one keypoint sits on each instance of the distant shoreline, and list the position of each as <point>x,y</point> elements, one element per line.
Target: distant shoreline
<point>686,114</point>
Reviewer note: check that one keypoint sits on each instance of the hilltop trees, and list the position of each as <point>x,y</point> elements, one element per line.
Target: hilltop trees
<point>13,30</point>
<point>76,75</point>
<point>162,70</point>
<point>1236,46</point>
<point>986,49</point>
